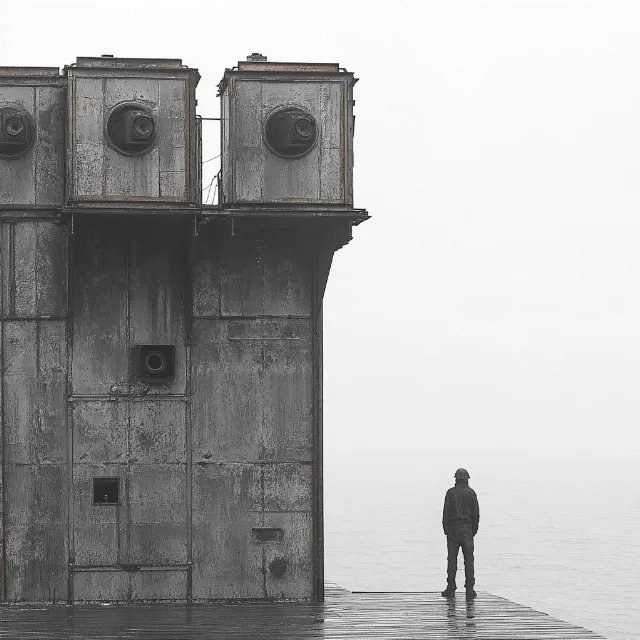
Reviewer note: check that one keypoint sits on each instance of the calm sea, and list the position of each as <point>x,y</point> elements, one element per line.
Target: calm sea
<point>558,535</point>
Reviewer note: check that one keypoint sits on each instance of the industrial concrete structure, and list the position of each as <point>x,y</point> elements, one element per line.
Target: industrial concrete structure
<point>161,359</point>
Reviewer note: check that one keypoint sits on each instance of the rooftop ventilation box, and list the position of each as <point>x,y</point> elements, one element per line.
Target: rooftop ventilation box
<point>132,138</point>
<point>32,101</point>
<point>287,134</point>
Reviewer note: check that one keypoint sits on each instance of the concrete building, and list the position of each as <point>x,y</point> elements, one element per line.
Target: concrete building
<point>161,359</point>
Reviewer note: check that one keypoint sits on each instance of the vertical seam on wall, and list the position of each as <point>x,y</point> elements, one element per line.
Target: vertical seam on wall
<point>69,416</point>
<point>104,146</point>
<point>38,387</point>
<point>12,270</point>
<point>127,483</point>
<point>4,486</point>
<point>35,164</point>
<point>36,309</point>
<point>318,521</point>
<point>188,319</point>
<point>262,523</point>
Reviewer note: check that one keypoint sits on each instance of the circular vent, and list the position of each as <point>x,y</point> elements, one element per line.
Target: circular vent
<point>131,129</point>
<point>290,132</point>
<point>17,132</point>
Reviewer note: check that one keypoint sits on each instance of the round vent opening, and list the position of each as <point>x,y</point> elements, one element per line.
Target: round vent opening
<point>131,129</point>
<point>290,132</point>
<point>155,362</point>
<point>17,132</point>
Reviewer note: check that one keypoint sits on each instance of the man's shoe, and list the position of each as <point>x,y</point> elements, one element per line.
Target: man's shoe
<point>449,593</point>
<point>471,594</point>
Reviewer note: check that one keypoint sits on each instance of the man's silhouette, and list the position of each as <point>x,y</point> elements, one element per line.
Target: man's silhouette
<point>460,519</point>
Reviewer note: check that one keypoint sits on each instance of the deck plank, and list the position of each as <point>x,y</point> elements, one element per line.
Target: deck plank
<point>344,615</point>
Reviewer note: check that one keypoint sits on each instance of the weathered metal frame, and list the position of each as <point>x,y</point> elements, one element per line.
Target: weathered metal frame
<point>107,68</point>
<point>291,74</point>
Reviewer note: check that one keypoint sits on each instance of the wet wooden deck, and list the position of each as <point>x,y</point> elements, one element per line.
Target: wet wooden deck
<point>345,615</point>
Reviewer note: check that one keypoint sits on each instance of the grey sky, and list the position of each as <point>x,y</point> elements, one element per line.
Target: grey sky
<point>495,295</point>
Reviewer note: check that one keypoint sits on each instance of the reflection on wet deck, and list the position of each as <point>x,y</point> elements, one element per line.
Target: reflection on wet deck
<point>405,616</point>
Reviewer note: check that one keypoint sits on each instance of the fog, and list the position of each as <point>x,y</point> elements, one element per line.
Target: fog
<point>492,303</point>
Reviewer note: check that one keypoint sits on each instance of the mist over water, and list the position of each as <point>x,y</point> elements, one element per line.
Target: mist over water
<point>558,535</point>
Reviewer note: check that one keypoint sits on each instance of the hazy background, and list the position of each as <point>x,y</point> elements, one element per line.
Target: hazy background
<point>491,307</point>
<point>495,294</point>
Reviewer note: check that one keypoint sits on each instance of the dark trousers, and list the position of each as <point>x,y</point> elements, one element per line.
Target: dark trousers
<point>459,534</point>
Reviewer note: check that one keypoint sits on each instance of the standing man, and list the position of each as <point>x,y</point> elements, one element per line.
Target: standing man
<point>460,519</point>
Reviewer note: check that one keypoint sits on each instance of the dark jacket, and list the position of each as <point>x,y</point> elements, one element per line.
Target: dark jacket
<point>461,505</point>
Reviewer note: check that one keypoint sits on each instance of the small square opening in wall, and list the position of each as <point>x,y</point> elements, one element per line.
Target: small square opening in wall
<point>106,490</point>
<point>264,534</point>
<point>156,363</point>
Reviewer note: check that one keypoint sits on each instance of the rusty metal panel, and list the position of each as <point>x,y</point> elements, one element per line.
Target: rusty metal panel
<point>159,585</point>
<point>249,170</point>
<point>100,432</point>
<point>248,276</point>
<point>20,391</point>
<point>25,252</point>
<point>156,295</point>
<point>49,150</point>
<point>158,512</point>
<point>101,585</point>
<point>36,568</point>
<point>247,108</point>
<point>130,178</point>
<point>287,278</point>
<point>39,271</point>
<point>225,150</point>
<point>36,531</point>
<point>158,431</point>
<point>287,486</point>
<point>34,389</point>
<point>51,440</point>
<point>296,550</point>
<point>2,449</point>
<point>99,531</point>
<point>51,269</point>
<point>241,278</point>
<point>175,140</point>
<point>226,406</point>
<point>84,136</point>
<point>287,391</point>
<point>36,494</point>
<point>225,509</point>
<point>100,350</point>
<point>205,280</point>
<point>6,269</point>
<point>261,372</point>
<point>292,180</point>
<point>330,168</point>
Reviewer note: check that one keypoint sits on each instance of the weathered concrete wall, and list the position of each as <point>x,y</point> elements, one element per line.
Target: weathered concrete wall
<point>129,283</point>
<point>224,449</point>
<point>252,417</point>
<point>33,267</point>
